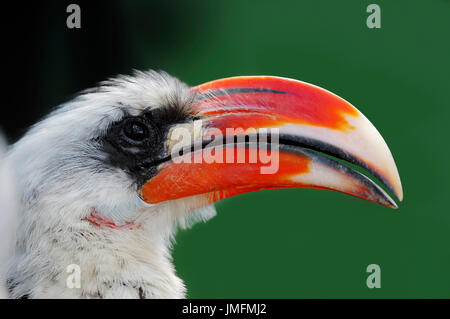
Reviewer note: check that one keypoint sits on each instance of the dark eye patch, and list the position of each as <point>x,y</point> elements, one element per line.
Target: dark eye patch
<point>136,144</point>
<point>170,114</point>
<point>136,131</point>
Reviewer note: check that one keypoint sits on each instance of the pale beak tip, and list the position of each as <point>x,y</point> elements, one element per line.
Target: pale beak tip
<point>394,205</point>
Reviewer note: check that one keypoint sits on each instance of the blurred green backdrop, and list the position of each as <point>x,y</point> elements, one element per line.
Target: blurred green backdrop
<point>280,243</point>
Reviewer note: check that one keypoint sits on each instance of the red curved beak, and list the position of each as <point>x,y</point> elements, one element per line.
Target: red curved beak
<point>264,132</point>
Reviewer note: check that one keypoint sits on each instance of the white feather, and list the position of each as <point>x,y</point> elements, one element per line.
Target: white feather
<point>8,214</point>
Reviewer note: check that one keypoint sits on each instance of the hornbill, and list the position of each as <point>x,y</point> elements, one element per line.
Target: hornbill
<point>104,181</point>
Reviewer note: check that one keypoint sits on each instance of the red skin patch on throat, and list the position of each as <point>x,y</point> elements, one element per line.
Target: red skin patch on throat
<point>98,220</point>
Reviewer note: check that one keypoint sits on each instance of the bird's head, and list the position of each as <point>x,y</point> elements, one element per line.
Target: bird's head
<point>141,141</point>
<point>142,151</point>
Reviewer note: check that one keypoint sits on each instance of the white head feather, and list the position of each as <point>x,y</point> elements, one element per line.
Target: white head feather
<point>8,214</point>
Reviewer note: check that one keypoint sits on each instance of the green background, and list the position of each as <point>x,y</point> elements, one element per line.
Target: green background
<point>312,243</point>
<point>286,243</point>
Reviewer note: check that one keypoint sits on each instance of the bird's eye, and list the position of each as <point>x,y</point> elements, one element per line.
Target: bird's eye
<point>135,131</point>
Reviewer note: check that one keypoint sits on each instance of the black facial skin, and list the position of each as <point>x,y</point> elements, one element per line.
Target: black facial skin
<point>136,144</point>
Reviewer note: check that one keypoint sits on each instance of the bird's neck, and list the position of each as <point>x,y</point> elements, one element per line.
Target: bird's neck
<point>90,258</point>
